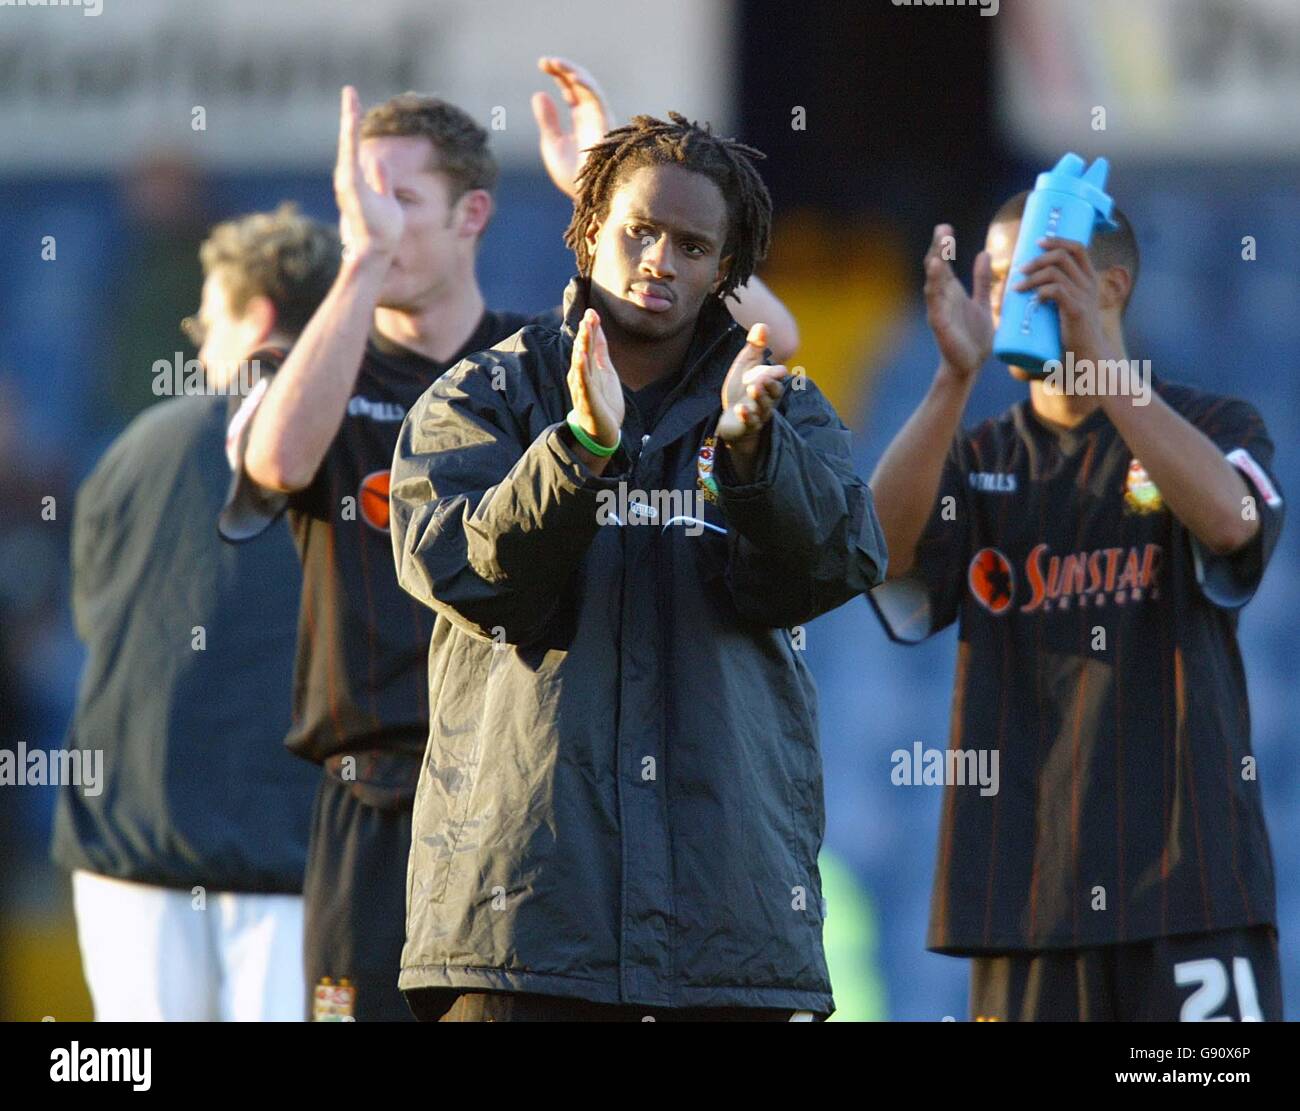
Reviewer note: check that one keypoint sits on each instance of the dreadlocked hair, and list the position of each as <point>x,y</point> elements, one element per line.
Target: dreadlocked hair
<point>647,141</point>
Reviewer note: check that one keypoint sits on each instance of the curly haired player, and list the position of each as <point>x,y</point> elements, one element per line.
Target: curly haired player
<point>620,809</point>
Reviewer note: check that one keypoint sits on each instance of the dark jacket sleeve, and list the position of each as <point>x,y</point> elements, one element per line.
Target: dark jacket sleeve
<point>804,534</point>
<point>489,524</point>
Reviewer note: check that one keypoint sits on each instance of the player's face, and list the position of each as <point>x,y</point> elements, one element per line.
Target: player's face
<point>658,253</point>
<point>1000,242</point>
<point>228,338</point>
<point>432,239</point>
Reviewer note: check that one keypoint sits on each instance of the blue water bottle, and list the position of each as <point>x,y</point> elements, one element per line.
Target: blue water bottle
<point>1066,203</point>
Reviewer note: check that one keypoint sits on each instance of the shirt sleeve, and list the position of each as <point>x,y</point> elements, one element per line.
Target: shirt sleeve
<point>1237,429</point>
<point>919,604</point>
<point>804,534</point>
<point>250,509</point>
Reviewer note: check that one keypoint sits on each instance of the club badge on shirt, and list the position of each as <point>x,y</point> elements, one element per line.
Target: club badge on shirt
<point>1140,493</point>
<point>333,1002</point>
<point>704,470</point>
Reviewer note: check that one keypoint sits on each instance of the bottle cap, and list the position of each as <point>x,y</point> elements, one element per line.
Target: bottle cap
<point>1069,176</point>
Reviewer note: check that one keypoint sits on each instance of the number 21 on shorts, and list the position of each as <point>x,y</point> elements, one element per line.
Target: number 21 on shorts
<point>1211,980</point>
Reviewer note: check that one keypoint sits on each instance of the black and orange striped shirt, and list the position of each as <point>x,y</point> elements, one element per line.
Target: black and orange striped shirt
<point>1098,658</point>
<point>360,678</point>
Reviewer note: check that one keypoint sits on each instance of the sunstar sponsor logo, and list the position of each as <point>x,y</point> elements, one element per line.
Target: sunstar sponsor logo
<point>1097,577</point>
<point>373,499</point>
<point>1100,577</point>
<point>992,580</point>
<point>360,406</point>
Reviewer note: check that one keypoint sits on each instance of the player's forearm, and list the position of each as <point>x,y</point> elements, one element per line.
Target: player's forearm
<point>756,304</point>
<point>1202,489</point>
<point>906,479</point>
<point>304,406</point>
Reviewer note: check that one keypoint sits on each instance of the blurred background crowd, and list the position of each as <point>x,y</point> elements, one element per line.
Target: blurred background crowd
<point>127,133</point>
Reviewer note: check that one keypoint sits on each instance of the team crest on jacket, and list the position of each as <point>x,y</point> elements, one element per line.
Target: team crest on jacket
<point>331,1002</point>
<point>1140,493</point>
<point>372,499</point>
<point>704,470</point>
<point>992,580</point>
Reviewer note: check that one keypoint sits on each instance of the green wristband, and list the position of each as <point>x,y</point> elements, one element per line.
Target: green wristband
<point>580,434</point>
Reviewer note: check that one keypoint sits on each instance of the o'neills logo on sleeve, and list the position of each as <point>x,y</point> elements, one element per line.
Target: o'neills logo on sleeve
<point>1097,578</point>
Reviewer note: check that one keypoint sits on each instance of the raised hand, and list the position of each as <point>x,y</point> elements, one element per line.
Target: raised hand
<point>370,217</point>
<point>1064,275</point>
<point>749,393</point>
<point>594,383</point>
<point>563,151</point>
<point>962,324</point>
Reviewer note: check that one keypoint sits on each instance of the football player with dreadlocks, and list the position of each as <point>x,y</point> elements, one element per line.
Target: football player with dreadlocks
<point>616,522</point>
